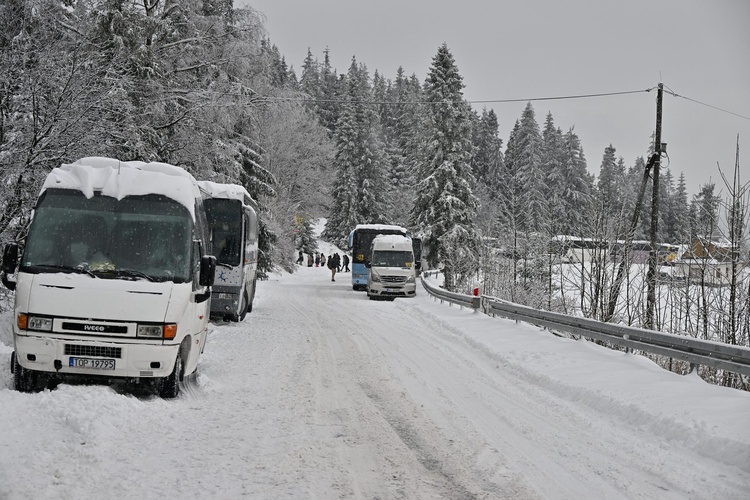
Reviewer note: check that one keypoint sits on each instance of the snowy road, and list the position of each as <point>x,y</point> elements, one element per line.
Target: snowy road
<point>321,393</point>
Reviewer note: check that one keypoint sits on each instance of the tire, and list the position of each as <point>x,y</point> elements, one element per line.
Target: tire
<point>24,380</point>
<point>244,307</point>
<point>170,388</point>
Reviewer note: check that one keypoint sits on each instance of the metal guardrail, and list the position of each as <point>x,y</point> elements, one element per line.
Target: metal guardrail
<point>451,297</point>
<point>695,351</point>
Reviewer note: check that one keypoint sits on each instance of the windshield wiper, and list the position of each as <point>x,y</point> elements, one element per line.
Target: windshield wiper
<point>224,264</point>
<point>64,269</point>
<point>132,273</point>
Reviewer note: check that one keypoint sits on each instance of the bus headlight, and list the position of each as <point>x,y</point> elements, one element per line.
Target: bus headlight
<point>411,279</point>
<point>39,324</point>
<point>375,278</point>
<point>168,331</point>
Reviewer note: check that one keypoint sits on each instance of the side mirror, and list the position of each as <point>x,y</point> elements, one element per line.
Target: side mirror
<point>368,265</point>
<point>207,271</point>
<point>10,258</point>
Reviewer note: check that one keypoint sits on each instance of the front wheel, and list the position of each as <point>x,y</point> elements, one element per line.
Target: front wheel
<point>244,307</point>
<point>171,386</point>
<point>24,380</point>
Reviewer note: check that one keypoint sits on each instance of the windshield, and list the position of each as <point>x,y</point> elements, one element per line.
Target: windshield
<point>392,258</point>
<point>137,237</point>
<point>225,223</point>
<point>362,242</point>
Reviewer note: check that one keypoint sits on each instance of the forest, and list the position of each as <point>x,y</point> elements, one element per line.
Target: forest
<point>199,83</point>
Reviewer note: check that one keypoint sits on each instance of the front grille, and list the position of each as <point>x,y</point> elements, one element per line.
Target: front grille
<point>91,350</point>
<point>393,279</point>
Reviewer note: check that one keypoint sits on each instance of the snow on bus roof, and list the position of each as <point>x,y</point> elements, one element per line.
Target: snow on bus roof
<point>119,179</point>
<point>227,191</point>
<point>380,227</point>
<point>392,240</point>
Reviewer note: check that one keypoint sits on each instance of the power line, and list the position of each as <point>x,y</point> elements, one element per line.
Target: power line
<point>559,98</point>
<point>526,99</point>
<point>260,98</point>
<point>708,105</point>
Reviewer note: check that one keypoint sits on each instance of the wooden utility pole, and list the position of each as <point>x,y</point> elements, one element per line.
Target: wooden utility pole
<point>653,261</point>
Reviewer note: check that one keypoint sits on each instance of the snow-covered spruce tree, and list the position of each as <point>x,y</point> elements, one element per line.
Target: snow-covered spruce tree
<point>405,143</point>
<point>445,208</point>
<point>329,93</point>
<point>578,187</point>
<point>487,166</point>
<point>530,175</point>
<point>553,167</point>
<point>259,183</point>
<point>359,188</point>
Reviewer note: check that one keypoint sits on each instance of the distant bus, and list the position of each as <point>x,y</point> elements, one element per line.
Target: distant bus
<point>360,242</point>
<point>233,226</point>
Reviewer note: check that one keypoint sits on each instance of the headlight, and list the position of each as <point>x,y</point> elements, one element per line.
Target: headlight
<point>411,279</point>
<point>39,324</point>
<point>168,331</point>
<point>375,278</point>
<point>151,331</point>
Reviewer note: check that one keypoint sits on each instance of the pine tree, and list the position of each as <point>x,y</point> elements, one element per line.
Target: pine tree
<point>360,187</point>
<point>608,184</point>
<point>509,213</point>
<point>553,168</point>
<point>532,186</point>
<point>578,187</point>
<point>487,162</point>
<point>445,208</point>
<point>310,81</point>
<point>681,232</point>
<point>705,212</point>
<point>328,107</point>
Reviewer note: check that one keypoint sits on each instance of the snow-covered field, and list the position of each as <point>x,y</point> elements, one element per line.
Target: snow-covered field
<point>321,393</point>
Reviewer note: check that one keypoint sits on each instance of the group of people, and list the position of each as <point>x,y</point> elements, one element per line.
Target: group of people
<point>334,262</point>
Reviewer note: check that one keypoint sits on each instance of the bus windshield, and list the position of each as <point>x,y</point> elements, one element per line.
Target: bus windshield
<point>391,258</point>
<point>362,242</point>
<point>138,237</point>
<point>225,223</point>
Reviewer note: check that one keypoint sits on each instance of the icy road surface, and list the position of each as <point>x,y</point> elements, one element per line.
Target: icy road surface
<point>321,393</point>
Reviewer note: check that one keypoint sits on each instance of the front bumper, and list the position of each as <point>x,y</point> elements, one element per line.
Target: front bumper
<point>130,360</point>
<point>392,290</point>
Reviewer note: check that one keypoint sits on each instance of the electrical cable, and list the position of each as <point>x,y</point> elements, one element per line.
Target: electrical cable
<point>673,93</point>
<point>488,101</point>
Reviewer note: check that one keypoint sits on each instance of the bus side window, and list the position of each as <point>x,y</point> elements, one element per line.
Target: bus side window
<point>247,238</point>
<point>196,266</point>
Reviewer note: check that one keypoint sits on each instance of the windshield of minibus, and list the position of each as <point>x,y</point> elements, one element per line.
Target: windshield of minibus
<point>225,223</point>
<point>138,237</point>
<point>392,258</point>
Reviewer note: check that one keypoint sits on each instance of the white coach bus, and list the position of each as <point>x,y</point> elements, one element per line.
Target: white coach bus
<point>114,277</point>
<point>233,226</point>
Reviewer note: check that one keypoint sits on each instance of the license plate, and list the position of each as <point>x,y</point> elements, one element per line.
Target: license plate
<point>92,364</point>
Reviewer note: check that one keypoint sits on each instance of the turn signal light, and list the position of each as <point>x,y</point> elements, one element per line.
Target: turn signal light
<point>22,321</point>
<point>170,331</point>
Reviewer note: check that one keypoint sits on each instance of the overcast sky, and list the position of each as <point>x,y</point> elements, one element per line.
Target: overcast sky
<point>699,49</point>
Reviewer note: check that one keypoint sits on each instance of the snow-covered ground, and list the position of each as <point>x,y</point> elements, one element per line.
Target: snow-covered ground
<point>321,393</point>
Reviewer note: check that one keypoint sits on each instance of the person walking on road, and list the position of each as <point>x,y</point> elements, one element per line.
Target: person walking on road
<point>345,265</point>
<point>333,265</point>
